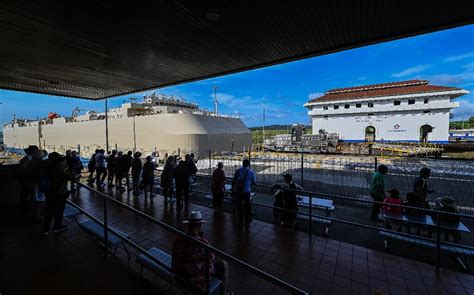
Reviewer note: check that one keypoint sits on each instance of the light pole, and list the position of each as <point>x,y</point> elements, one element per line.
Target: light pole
<point>215,99</point>
<point>263,126</point>
<point>106,126</point>
<point>134,133</point>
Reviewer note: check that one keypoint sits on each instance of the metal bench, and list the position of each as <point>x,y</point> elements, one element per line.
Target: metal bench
<point>71,212</point>
<point>455,250</point>
<point>96,230</point>
<point>165,273</point>
<point>325,222</point>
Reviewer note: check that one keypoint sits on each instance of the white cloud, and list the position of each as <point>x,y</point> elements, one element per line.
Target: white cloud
<point>465,110</point>
<point>459,57</point>
<point>411,71</point>
<point>468,65</point>
<point>250,109</point>
<point>314,95</point>
<point>450,79</point>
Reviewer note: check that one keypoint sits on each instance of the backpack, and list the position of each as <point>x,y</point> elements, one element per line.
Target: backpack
<point>239,184</point>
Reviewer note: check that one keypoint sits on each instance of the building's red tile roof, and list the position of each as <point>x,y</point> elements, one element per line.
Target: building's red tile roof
<point>379,90</point>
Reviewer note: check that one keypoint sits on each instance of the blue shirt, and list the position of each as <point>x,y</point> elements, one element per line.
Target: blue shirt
<point>249,178</point>
<point>100,160</point>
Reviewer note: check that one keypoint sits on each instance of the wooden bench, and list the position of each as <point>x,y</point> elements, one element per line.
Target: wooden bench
<point>454,250</point>
<point>165,273</point>
<point>96,230</point>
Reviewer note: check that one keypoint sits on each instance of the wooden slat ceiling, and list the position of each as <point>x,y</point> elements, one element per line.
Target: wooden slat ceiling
<point>98,49</point>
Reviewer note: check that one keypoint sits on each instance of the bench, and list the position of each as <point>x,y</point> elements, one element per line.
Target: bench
<point>209,198</point>
<point>71,212</point>
<point>325,222</point>
<point>96,230</point>
<point>454,250</point>
<point>165,273</point>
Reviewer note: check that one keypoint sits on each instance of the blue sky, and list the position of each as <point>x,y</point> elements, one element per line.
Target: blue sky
<point>444,58</point>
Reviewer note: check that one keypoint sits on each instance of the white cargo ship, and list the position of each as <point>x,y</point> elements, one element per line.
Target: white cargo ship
<point>161,123</point>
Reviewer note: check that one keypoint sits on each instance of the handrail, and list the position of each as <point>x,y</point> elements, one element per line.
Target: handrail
<point>316,194</point>
<point>366,226</point>
<point>276,281</point>
<point>127,240</point>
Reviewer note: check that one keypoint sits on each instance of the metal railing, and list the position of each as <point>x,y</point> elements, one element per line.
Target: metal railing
<point>310,215</point>
<point>258,272</point>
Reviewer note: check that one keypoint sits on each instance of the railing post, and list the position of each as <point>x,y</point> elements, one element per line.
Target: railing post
<point>310,218</point>
<point>210,163</point>
<point>106,232</point>
<point>375,164</point>
<point>302,168</point>
<point>250,155</point>
<point>208,285</point>
<point>210,168</point>
<point>438,240</point>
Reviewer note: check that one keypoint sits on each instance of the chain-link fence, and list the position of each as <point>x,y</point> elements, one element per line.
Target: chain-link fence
<point>351,175</point>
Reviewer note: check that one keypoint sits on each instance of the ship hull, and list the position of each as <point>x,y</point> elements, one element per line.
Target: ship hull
<point>166,133</point>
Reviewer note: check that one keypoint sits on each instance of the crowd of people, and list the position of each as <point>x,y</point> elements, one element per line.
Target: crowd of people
<point>417,199</point>
<point>45,178</point>
<point>44,186</point>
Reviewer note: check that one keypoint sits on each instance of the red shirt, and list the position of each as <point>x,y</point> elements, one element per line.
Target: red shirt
<point>393,209</point>
<point>218,181</point>
<point>189,261</point>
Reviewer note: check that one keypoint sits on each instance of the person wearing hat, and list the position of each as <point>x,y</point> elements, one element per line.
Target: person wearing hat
<point>447,204</point>
<point>189,259</point>
<point>137,167</point>
<point>287,191</point>
<point>218,187</point>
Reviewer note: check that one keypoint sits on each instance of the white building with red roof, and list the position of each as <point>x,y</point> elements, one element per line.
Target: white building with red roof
<point>406,111</point>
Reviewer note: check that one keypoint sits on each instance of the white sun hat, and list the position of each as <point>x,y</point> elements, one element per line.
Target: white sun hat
<point>194,217</point>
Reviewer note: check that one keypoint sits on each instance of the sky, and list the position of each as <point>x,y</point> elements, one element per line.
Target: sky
<point>444,58</point>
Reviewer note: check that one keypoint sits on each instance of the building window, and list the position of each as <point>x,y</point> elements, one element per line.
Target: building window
<point>346,106</point>
<point>325,108</point>
<point>396,102</point>
<point>370,114</point>
<point>426,112</point>
<point>411,101</point>
<point>370,104</point>
<point>336,107</point>
<point>358,105</point>
<point>426,100</point>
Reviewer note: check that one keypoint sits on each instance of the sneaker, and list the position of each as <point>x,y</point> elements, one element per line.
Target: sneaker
<point>60,228</point>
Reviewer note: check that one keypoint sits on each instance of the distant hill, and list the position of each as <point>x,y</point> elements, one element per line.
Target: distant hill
<point>275,127</point>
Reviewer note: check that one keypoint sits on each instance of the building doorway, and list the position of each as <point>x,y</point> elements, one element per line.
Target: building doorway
<point>370,134</point>
<point>425,130</point>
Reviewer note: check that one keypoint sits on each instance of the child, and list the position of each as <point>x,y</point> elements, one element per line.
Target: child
<point>447,204</point>
<point>394,198</point>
